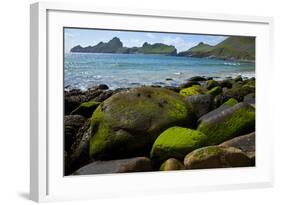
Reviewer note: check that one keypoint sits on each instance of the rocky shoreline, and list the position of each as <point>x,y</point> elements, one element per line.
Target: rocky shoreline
<point>203,123</point>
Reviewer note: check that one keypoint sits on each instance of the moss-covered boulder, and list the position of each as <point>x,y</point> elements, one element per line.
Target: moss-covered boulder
<point>250,84</point>
<point>216,157</point>
<point>176,142</point>
<point>194,90</point>
<point>86,109</point>
<point>238,92</point>
<point>229,123</point>
<point>127,123</point>
<point>211,84</point>
<point>230,102</point>
<point>215,91</point>
<point>172,164</point>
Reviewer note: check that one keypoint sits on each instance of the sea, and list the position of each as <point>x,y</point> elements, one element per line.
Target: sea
<point>85,70</point>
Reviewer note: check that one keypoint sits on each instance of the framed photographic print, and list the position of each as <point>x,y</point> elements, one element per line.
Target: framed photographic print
<point>127,102</point>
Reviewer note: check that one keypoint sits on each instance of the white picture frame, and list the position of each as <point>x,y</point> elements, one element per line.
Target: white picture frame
<point>47,182</point>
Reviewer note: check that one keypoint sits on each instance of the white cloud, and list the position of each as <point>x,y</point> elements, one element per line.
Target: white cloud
<point>150,35</point>
<point>70,35</point>
<point>132,42</point>
<point>178,42</point>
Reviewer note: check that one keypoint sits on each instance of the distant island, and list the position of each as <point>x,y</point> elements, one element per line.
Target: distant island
<point>116,46</point>
<point>232,48</point>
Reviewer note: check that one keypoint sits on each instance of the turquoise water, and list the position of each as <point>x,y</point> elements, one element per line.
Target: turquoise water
<point>84,70</point>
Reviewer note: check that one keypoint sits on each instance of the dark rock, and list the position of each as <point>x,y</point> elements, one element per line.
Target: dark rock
<point>197,78</point>
<point>72,101</point>
<point>238,78</point>
<point>213,113</point>
<point>72,124</point>
<point>175,89</point>
<point>238,92</point>
<point>103,87</point>
<point>137,164</point>
<point>246,143</point>
<point>216,157</point>
<point>218,100</point>
<point>169,79</point>
<point>103,96</point>
<point>127,123</point>
<point>226,83</point>
<point>79,154</point>
<point>201,103</point>
<point>250,98</point>
<point>86,109</point>
<point>189,84</point>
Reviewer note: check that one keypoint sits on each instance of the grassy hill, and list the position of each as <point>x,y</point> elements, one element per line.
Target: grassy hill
<point>157,48</point>
<point>235,47</point>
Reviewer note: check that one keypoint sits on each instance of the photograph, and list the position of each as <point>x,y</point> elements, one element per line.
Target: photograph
<point>147,101</point>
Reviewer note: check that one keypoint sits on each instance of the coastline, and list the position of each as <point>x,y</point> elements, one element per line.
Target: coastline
<point>175,55</point>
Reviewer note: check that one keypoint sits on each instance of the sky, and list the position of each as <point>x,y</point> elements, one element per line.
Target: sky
<point>90,37</point>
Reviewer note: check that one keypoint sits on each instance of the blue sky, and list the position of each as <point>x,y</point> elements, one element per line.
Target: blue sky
<point>182,42</point>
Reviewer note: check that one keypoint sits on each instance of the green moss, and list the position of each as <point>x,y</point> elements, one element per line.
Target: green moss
<point>215,91</point>
<point>194,90</point>
<point>231,102</point>
<point>206,152</point>
<point>250,85</point>
<point>176,142</point>
<point>211,84</point>
<point>129,122</point>
<point>239,122</point>
<point>86,109</point>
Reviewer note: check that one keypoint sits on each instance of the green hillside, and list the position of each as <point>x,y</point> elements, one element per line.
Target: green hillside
<point>235,47</point>
<point>157,48</point>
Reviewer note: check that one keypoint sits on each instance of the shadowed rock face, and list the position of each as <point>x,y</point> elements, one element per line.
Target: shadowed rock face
<point>127,123</point>
<point>137,164</point>
<point>201,104</point>
<point>246,143</point>
<point>216,157</point>
<point>72,124</point>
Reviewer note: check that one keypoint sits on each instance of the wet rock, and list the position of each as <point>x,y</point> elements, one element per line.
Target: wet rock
<point>201,103</point>
<point>172,164</point>
<point>72,124</point>
<point>216,157</point>
<point>137,164</point>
